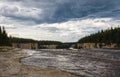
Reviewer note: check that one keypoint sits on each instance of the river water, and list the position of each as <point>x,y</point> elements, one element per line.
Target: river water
<point>89,63</point>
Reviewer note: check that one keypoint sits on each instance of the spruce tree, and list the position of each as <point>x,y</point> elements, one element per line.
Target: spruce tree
<point>4,39</point>
<point>0,30</point>
<point>0,36</point>
<point>108,37</point>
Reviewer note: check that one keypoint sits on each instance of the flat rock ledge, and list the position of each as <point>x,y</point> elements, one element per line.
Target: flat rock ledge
<point>10,66</point>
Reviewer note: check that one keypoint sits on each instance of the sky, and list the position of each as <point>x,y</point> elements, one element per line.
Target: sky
<point>59,20</point>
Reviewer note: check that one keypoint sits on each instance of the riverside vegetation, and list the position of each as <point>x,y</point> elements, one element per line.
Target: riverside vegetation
<point>109,36</point>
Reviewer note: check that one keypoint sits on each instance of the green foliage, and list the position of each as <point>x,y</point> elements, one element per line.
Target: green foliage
<point>49,42</point>
<point>22,40</point>
<point>42,43</point>
<point>107,36</point>
<point>4,39</point>
<point>65,45</point>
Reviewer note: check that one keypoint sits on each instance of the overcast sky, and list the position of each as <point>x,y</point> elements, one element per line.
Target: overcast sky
<point>60,20</point>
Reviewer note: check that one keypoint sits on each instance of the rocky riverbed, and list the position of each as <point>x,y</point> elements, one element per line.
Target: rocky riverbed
<point>89,63</point>
<point>11,66</point>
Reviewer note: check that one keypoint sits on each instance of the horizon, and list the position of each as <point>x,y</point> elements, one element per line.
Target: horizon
<point>62,41</point>
<point>58,20</point>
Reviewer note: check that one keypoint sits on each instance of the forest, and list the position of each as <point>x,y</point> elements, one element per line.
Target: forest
<point>111,35</point>
<point>108,36</point>
<point>22,40</point>
<point>4,39</point>
<point>7,41</point>
<point>43,42</point>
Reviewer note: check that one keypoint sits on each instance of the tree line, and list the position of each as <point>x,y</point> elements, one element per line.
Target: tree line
<point>108,36</point>
<point>59,45</point>
<point>7,41</point>
<point>65,45</point>
<point>46,42</point>
<point>43,42</point>
<point>104,36</point>
<point>22,40</point>
<point>4,39</point>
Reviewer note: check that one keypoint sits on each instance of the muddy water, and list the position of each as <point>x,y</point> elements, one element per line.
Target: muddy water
<point>90,63</point>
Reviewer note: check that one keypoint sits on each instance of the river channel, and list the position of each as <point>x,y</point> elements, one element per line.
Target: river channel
<point>89,63</point>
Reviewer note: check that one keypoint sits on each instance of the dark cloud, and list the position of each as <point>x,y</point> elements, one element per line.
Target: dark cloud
<point>54,11</point>
<point>70,19</point>
<point>80,9</point>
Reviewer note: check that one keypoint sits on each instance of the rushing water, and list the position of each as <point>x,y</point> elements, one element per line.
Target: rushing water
<point>90,63</point>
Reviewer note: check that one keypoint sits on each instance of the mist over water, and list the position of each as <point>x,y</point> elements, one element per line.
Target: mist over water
<point>90,63</point>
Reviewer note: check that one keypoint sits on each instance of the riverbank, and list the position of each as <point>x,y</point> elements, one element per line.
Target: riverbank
<point>10,66</point>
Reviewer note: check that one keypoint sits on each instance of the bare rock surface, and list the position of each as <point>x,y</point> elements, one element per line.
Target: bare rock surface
<point>10,66</point>
<point>85,62</point>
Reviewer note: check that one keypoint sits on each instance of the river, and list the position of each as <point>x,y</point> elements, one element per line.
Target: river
<point>89,63</point>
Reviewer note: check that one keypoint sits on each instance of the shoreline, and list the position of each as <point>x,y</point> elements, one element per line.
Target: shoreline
<point>11,66</point>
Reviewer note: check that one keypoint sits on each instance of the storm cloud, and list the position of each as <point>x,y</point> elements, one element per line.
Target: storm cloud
<point>67,18</point>
<point>52,11</point>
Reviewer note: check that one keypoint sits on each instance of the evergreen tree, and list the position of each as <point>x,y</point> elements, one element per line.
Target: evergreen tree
<point>108,36</point>
<point>0,36</point>
<point>4,39</point>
